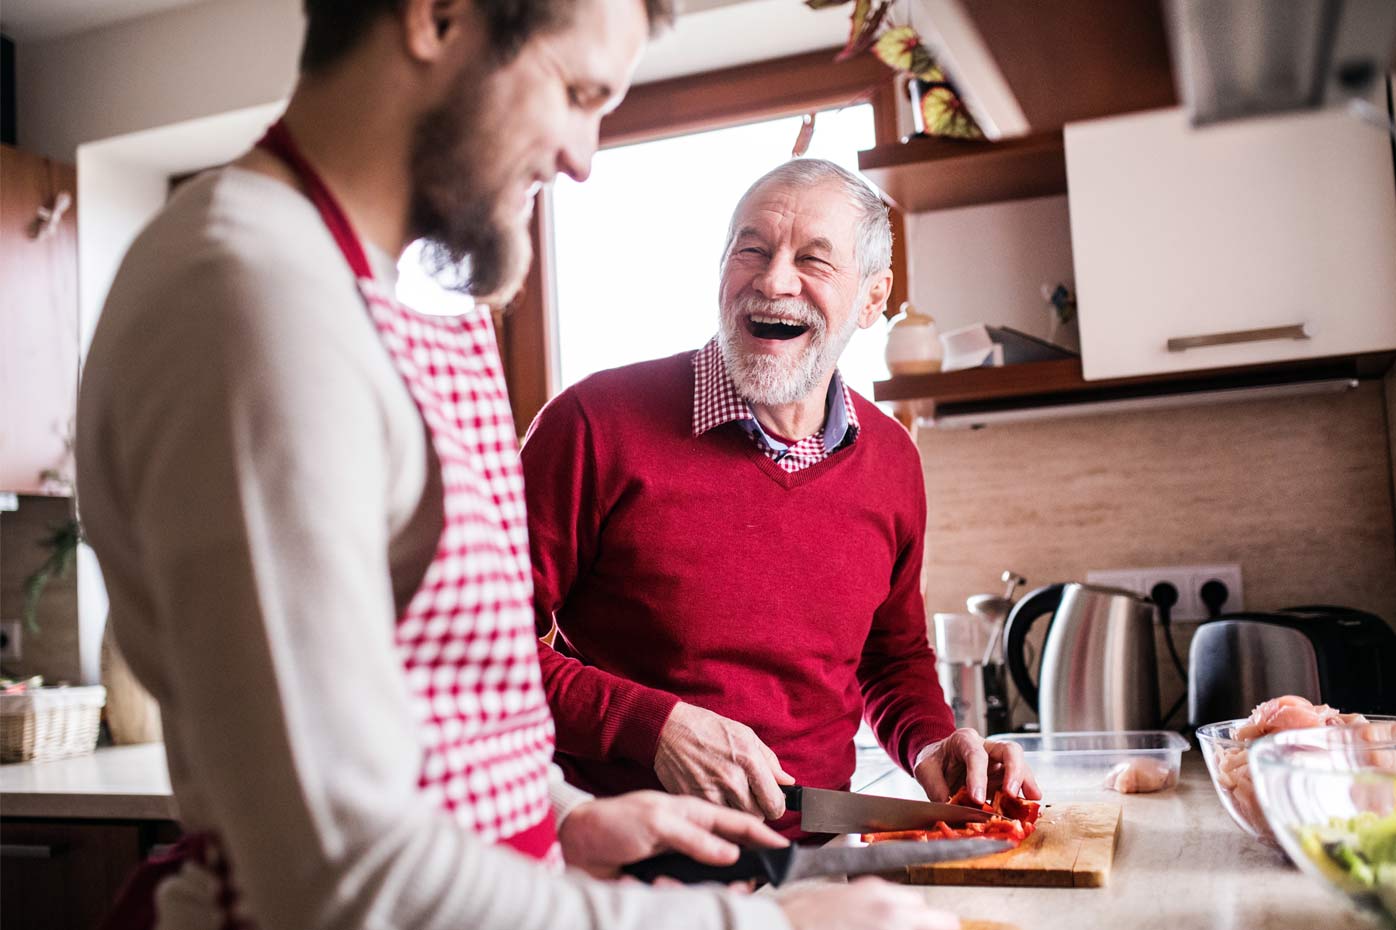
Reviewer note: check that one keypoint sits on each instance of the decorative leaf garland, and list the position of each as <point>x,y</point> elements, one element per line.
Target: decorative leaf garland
<point>900,48</point>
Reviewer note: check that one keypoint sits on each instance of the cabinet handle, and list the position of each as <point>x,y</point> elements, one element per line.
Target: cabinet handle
<point>29,851</point>
<point>1183,343</point>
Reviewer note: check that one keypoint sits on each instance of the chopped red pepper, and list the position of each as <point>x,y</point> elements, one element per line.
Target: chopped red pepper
<point>1014,819</point>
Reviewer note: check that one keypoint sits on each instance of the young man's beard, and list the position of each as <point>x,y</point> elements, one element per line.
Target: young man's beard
<point>467,247</point>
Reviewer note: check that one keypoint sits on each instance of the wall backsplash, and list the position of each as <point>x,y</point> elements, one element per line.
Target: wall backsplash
<point>53,651</point>
<point>1298,491</point>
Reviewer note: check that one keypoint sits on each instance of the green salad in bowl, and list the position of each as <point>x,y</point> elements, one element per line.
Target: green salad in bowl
<point>1329,796</point>
<point>1358,854</point>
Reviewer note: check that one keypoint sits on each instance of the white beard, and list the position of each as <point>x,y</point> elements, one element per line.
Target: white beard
<point>773,381</point>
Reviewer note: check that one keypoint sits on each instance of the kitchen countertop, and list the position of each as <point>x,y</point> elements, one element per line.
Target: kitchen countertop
<point>1181,864</point>
<point>116,782</point>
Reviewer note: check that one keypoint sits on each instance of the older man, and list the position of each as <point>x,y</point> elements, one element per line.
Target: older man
<point>305,499</point>
<point>729,542</point>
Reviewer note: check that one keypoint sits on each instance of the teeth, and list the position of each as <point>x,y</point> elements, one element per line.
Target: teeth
<point>763,318</point>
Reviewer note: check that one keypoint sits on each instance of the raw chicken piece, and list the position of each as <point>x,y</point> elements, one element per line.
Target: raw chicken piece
<point>1291,712</point>
<point>1141,776</point>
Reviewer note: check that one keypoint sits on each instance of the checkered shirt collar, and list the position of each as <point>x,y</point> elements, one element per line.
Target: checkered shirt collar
<point>716,401</point>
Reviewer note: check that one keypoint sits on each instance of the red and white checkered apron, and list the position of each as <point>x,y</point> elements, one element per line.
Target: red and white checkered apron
<point>466,638</point>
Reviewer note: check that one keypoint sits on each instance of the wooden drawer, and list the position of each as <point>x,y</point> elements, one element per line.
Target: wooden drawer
<point>63,875</point>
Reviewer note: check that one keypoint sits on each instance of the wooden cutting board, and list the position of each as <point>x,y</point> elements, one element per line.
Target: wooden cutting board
<point>985,925</point>
<point>1073,847</point>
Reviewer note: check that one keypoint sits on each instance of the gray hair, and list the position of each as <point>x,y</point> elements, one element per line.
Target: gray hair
<point>873,247</point>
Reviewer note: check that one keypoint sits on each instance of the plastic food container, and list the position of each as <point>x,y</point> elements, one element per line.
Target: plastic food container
<point>1080,761</point>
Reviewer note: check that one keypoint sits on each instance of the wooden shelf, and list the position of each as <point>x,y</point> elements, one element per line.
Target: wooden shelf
<point>935,174</point>
<point>1059,382</point>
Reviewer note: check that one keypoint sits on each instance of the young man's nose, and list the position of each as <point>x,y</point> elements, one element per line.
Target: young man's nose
<point>575,154</point>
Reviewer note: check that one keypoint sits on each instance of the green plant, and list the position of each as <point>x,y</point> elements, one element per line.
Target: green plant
<point>900,48</point>
<point>62,547</point>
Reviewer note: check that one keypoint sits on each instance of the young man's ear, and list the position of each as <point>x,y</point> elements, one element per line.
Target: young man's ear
<point>876,302</point>
<point>432,26</point>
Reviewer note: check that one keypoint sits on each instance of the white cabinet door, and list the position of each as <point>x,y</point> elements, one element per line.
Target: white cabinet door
<point>1213,247</point>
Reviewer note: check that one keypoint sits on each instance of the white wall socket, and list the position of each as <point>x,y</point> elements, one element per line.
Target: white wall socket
<point>10,640</point>
<point>1188,579</point>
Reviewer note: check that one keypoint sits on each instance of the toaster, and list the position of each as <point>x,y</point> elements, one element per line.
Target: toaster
<point>1330,655</point>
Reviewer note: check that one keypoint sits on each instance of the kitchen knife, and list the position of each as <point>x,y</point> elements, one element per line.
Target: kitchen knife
<point>796,862</point>
<point>825,811</point>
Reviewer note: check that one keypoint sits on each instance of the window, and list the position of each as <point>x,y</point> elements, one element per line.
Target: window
<point>637,247</point>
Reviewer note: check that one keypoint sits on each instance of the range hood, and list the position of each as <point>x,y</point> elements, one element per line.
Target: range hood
<point>1240,58</point>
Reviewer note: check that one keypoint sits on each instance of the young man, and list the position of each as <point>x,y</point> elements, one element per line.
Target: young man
<point>730,541</point>
<point>306,502</point>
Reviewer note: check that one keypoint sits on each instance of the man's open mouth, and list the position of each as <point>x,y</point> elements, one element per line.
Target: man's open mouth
<point>771,327</point>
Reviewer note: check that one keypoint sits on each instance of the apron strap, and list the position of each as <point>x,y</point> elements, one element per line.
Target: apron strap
<point>278,142</point>
<point>134,907</point>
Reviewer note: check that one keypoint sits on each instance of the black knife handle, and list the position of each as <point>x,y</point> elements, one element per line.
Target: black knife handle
<point>770,864</point>
<point>794,796</point>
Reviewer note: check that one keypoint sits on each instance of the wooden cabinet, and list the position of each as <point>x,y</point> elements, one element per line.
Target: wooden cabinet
<point>65,874</point>
<point>1028,69</point>
<point>1204,259</point>
<point>1250,242</point>
<point>39,333</point>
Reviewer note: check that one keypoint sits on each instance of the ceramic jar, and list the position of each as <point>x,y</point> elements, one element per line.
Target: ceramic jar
<point>913,343</point>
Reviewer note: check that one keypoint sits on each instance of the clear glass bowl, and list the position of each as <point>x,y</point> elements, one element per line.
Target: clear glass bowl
<point>1228,763</point>
<point>1329,796</point>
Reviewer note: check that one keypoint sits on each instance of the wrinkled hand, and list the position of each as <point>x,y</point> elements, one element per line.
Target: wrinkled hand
<point>708,756</point>
<point>604,834</point>
<point>964,758</point>
<point>862,904</point>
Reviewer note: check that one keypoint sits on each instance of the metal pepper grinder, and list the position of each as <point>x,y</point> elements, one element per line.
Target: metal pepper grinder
<point>993,610</point>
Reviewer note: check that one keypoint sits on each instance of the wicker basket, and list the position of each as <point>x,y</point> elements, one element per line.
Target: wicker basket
<point>50,723</point>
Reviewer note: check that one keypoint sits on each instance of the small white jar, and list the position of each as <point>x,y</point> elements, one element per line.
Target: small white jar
<point>913,343</point>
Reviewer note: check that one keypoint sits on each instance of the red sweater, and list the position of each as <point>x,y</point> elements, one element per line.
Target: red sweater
<point>682,567</point>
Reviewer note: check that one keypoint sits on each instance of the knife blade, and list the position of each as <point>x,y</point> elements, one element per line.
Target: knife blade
<point>796,862</point>
<point>825,811</point>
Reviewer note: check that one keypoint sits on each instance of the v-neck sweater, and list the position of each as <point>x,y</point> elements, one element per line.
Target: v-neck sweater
<point>694,568</point>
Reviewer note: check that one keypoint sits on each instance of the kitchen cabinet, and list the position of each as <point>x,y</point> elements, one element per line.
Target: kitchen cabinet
<point>1034,67</point>
<point>1027,69</point>
<point>74,829</point>
<point>1286,245</point>
<point>1200,255</point>
<point>65,874</point>
<point>38,319</point>
<point>1255,241</point>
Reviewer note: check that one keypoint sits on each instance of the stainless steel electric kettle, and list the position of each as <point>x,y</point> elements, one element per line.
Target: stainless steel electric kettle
<point>1098,662</point>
